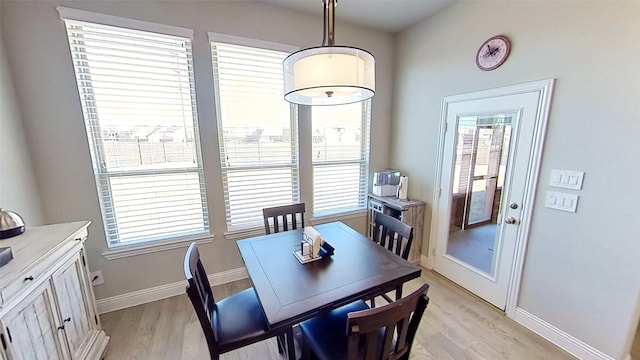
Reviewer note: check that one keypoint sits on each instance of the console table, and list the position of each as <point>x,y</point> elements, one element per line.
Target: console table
<point>47,306</point>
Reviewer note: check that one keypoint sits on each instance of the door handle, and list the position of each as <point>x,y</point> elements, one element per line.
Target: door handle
<point>510,220</point>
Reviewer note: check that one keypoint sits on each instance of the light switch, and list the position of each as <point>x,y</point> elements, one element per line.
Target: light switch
<point>561,201</point>
<point>566,179</point>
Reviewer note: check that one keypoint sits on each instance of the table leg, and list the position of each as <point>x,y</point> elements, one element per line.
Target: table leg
<point>281,341</point>
<point>291,348</point>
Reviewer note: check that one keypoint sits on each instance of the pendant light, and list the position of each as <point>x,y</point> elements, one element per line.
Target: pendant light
<point>329,74</point>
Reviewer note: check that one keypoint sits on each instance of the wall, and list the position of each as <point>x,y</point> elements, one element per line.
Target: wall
<point>41,65</point>
<point>18,188</point>
<point>582,273</point>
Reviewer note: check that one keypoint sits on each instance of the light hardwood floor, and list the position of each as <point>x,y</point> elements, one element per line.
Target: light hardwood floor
<point>456,326</point>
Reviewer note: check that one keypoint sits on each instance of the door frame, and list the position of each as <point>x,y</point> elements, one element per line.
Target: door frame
<point>544,88</point>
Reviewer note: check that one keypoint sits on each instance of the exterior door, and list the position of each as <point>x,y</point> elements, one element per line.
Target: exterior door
<point>487,170</point>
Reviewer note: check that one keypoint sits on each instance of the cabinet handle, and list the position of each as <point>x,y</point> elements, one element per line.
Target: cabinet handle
<point>61,327</point>
<point>28,278</point>
<point>79,239</point>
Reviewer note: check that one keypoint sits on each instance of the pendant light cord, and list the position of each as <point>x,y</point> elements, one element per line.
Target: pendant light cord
<point>328,22</point>
<point>324,22</point>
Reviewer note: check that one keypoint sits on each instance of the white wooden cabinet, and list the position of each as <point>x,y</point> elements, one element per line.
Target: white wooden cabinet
<point>47,306</point>
<point>30,329</point>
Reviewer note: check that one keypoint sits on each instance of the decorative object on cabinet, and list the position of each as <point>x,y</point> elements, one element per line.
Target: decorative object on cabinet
<point>47,306</point>
<point>11,224</point>
<point>410,212</point>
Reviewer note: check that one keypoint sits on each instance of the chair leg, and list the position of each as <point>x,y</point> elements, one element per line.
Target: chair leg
<point>281,342</point>
<point>291,348</point>
<point>306,350</point>
<point>399,292</point>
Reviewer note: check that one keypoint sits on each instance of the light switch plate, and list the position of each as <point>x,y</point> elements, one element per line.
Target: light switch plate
<point>566,179</point>
<point>561,201</point>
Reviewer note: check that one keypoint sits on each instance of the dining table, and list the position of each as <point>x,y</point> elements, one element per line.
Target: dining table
<point>291,292</point>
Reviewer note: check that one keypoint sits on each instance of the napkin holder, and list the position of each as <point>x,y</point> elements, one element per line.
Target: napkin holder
<point>312,246</point>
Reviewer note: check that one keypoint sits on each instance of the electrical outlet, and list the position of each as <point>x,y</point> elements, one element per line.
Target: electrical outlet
<point>96,278</point>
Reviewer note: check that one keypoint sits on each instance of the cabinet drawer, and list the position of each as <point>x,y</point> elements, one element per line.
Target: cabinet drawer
<point>27,280</point>
<point>39,271</point>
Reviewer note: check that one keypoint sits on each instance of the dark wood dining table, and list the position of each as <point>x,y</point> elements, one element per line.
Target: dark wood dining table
<point>291,292</point>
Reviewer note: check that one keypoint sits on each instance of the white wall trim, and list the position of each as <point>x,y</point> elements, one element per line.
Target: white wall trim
<point>424,262</point>
<point>545,88</point>
<point>628,357</point>
<point>239,40</point>
<point>570,344</point>
<point>163,291</point>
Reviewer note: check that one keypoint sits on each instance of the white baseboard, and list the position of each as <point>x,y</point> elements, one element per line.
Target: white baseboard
<point>424,261</point>
<point>569,343</point>
<point>628,357</point>
<point>163,291</point>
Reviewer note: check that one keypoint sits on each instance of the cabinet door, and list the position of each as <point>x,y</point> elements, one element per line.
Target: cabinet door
<point>69,288</point>
<point>31,328</point>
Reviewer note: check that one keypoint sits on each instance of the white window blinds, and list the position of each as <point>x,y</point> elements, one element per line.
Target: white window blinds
<point>340,157</point>
<point>257,131</point>
<point>138,98</point>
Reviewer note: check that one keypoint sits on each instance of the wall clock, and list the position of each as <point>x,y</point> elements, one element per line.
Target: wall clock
<point>493,53</point>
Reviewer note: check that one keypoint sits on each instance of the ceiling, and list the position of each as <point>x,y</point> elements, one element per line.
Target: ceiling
<point>388,15</point>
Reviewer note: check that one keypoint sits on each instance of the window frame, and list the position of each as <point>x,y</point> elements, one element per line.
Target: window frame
<point>238,230</point>
<point>115,247</point>
<point>364,162</point>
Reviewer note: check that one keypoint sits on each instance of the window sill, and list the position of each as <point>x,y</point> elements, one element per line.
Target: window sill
<point>257,231</point>
<point>244,233</point>
<point>124,251</point>
<point>354,214</point>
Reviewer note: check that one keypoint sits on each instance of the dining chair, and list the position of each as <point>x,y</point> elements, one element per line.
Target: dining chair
<point>233,322</point>
<point>395,236</point>
<point>355,331</point>
<point>288,215</point>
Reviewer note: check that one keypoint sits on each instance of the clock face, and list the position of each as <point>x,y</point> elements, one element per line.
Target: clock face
<point>493,53</point>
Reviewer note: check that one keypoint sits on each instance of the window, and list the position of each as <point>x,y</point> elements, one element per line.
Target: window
<point>138,99</point>
<point>257,129</point>
<point>340,148</point>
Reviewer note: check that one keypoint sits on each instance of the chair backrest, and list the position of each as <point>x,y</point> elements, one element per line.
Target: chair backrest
<point>392,234</point>
<point>286,213</point>
<point>201,295</point>
<point>386,332</point>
